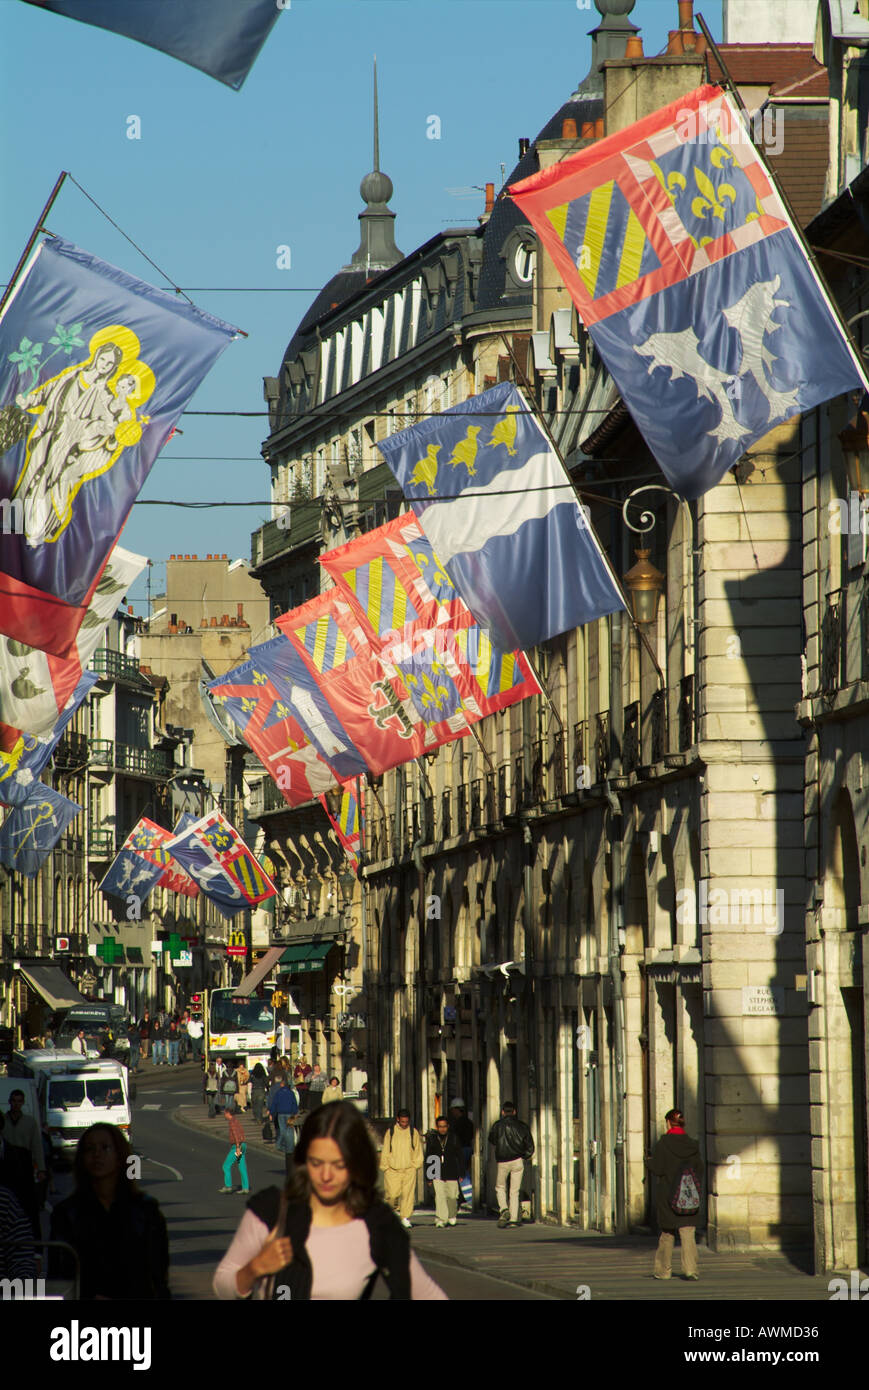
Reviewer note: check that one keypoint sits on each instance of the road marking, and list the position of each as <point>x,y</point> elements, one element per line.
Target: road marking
<point>178,1176</point>
<point>150,1107</point>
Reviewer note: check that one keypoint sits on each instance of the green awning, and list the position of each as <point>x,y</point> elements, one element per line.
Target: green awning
<point>298,959</point>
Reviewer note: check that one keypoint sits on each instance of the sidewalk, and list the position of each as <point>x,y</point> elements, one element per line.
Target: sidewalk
<point>571,1264</point>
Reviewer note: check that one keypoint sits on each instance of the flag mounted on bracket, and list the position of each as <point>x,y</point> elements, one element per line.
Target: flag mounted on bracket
<point>30,831</point>
<point>145,863</point>
<point>215,855</point>
<point>344,810</point>
<point>697,292</point>
<point>402,595</point>
<point>499,510</point>
<point>22,765</point>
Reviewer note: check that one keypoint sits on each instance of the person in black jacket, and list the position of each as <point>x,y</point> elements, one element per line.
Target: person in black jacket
<point>511,1139</point>
<point>445,1166</point>
<point>328,1234</point>
<point>117,1231</point>
<point>678,1167</point>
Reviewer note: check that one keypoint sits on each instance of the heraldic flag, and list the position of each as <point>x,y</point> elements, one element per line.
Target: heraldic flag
<point>145,863</point>
<point>215,855</point>
<point>95,369</point>
<point>22,766</point>
<point>30,831</point>
<point>285,719</point>
<point>685,267</point>
<point>394,704</point>
<point>403,596</point>
<point>220,37</point>
<point>35,687</point>
<point>344,807</point>
<point>501,513</point>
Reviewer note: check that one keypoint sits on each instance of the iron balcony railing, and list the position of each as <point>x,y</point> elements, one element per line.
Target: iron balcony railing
<point>71,751</point>
<point>602,744</point>
<point>101,842</point>
<point>659,725</point>
<point>631,751</point>
<point>115,665</point>
<point>143,762</point>
<point>686,713</point>
<point>831,645</point>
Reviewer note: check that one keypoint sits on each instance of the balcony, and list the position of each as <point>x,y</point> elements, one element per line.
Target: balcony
<point>101,842</point>
<point>120,757</point>
<point>114,665</point>
<point>446,816</point>
<point>659,725</point>
<point>461,809</point>
<point>631,740</point>
<point>503,792</point>
<point>602,744</point>
<point>71,752</point>
<point>686,713</point>
<point>581,769</point>
<point>266,797</point>
<point>831,645</point>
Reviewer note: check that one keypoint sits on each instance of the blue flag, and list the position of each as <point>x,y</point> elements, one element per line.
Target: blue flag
<point>217,858</point>
<point>140,864</point>
<point>503,519</point>
<point>220,37</point>
<point>30,831</point>
<point>22,766</point>
<point>95,369</point>
<point>686,269</point>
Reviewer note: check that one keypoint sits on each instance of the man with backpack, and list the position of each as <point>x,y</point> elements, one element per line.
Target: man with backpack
<point>511,1139</point>
<point>678,1167</point>
<point>401,1159</point>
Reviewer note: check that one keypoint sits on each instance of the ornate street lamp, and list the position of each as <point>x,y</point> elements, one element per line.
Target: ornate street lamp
<point>643,581</point>
<point>854,439</point>
<point>315,892</point>
<point>347,884</point>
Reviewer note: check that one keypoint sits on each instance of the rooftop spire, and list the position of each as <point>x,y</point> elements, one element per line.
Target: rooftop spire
<point>377,249</point>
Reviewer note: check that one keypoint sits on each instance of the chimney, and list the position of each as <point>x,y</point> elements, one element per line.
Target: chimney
<point>224,622</point>
<point>674,43</point>
<point>213,623</point>
<point>223,557</point>
<point>204,623</point>
<point>524,142</point>
<point>240,608</point>
<point>634,47</point>
<point>598,128</point>
<point>686,14</point>
<point>490,198</point>
<point>186,557</point>
<point>588,130</point>
<point>568,129</point>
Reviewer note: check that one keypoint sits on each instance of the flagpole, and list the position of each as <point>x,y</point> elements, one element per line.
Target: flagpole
<point>31,239</point>
<point>538,414</point>
<point>814,264</point>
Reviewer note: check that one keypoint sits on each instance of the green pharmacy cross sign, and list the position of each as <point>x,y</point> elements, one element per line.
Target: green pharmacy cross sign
<point>110,951</point>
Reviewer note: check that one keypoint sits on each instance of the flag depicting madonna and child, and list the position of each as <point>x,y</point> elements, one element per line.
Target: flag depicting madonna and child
<point>95,369</point>
<point>685,266</point>
<point>499,510</point>
<point>215,855</point>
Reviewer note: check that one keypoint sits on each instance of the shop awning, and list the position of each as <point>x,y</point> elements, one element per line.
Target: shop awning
<point>260,970</point>
<point>52,984</point>
<point>296,960</point>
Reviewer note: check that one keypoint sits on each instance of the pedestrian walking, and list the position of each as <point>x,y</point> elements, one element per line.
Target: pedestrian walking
<point>333,1090</point>
<point>134,1041</point>
<point>463,1128</point>
<point>158,1042</point>
<point>117,1231</point>
<point>445,1165</point>
<point>301,1074</point>
<point>173,1044</point>
<point>229,1087</point>
<point>283,1106</point>
<point>511,1139</point>
<point>242,1076</point>
<point>401,1159</point>
<point>146,1023</point>
<point>327,1236</point>
<point>237,1154</point>
<point>209,1089</point>
<point>258,1085</point>
<point>317,1083</point>
<point>195,1030</point>
<point>678,1167</point>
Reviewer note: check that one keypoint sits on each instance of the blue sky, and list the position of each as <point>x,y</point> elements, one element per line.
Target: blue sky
<point>220,179</point>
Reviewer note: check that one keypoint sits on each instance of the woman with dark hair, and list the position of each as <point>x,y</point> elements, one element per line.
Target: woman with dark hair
<point>117,1231</point>
<point>328,1235</point>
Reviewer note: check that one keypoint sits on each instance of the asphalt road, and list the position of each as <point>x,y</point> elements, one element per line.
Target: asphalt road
<point>183,1170</point>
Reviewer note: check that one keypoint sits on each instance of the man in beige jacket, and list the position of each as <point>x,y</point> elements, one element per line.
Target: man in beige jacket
<point>401,1159</point>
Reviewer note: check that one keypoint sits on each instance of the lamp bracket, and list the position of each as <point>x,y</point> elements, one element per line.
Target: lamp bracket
<point>647,519</point>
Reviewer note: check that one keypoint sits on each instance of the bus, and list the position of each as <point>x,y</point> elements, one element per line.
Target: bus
<point>245,1028</point>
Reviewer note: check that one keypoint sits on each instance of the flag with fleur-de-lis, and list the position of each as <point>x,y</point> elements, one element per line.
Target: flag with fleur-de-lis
<point>686,268</point>
<point>403,596</point>
<point>214,854</point>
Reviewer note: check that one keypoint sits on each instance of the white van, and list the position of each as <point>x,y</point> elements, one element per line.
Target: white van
<point>74,1093</point>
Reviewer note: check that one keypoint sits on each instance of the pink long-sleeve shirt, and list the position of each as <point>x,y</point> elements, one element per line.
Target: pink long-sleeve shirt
<point>340,1256</point>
